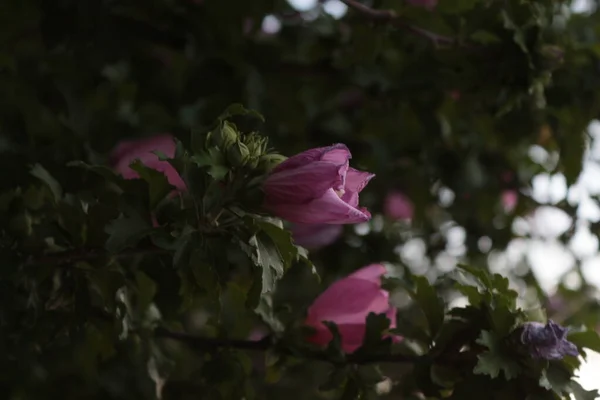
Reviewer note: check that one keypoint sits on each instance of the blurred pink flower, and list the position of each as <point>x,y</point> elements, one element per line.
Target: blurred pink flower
<point>127,151</point>
<point>315,236</point>
<point>397,206</point>
<point>317,187</point>
<point>429,4</point>
<point>509,200</point>
<point>455,95</point>
<point>258,333</point>
<point>347,303</point>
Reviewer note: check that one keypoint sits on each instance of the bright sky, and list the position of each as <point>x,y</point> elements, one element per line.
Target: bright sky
<point>538,243</point>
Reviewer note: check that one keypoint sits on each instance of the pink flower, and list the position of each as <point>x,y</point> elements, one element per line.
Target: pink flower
<point>317,187</point>
<point>347,303</point>
<point>127,151</point>
<point>398,206</point>
<point>315,236</point>
<point>509,200</point>
<point>429,4</point>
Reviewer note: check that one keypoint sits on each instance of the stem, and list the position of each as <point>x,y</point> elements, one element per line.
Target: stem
<point>266,344</point>
<point>71,256</point>
<point>391,17</point>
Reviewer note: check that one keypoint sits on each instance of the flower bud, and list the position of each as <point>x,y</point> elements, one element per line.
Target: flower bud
<point>252,162</point>
<point>225,136</point>
<point>269,161</point>
<point>256,144</point>
<point>238,154</point>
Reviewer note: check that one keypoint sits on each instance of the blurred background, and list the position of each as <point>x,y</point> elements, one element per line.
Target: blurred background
<point>480,123</point>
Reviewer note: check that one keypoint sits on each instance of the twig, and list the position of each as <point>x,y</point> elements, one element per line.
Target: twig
<point>391,17</point>
<point>266,344</point>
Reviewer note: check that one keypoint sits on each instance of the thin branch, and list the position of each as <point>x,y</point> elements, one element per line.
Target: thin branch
<point>391,17</point>
<point>266,344</point>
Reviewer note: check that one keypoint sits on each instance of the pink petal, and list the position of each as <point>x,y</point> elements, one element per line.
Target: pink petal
<point>357,180</point>
<point>354,184</point>
<point>328,209</point>
<point>126,152</point>
<point>315,236</point>
<point>337,154</point>
<point>371,273</point>
<point>391,315</point>
<point>316,154</point>
<point>302,184</point>
<point>348,300</point>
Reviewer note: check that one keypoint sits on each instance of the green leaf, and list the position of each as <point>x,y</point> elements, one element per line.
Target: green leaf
<point>496,359</point>
<point>432,305</point>
<point>282,238</point>
<point>42,174</point>
<point>334,348</point>
<point>587,339</point>
<point>146,289</point>
<point>376,327</point>
<point>239,110</point>
<point>126,231</point>
<point>204,271</point>
<point>158,184</point>
<point>336,379</point>
<point>581,394</point>
<point>480,274</point>
<point>269,259</point>
<point>471,292</point>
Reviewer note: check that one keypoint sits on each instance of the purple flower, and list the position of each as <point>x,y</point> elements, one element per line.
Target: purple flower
<point>317,187</point>
<point>315,236</point>
<point>547,341</point>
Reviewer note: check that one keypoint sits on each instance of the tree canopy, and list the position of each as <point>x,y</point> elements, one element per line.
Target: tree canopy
<point>210,199</point>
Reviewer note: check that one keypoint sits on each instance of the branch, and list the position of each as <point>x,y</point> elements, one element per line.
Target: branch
<point>391,17</point>
<point>266,344</point>
<point>71,256</point>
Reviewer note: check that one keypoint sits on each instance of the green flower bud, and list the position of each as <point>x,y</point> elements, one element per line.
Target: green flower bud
<point>253,162</point>
<point>238,154</point>
<point>225,136</point>
<point>256,143</point>
<point>269,161</point>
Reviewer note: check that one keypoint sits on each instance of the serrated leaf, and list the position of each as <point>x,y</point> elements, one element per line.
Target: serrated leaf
<point>480,274</point>
<point>432,305</point>
<point>472,293</point>
<point>283,240</point>
<point>126,231</point>
<point>376,327</point>
<point>587,339</point>
<point>269,259</point>
<point>158,184</point>
<point>495,360</point>
<point>581,394</point>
